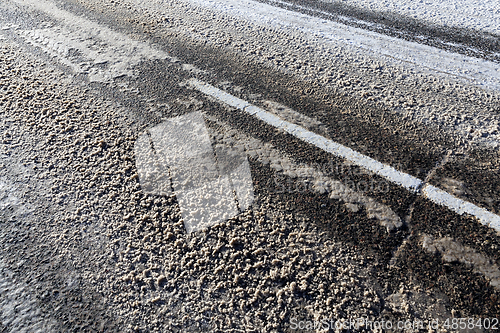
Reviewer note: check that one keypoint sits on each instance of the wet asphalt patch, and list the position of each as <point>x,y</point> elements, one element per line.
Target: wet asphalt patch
<point>368,129</point>
<point>470,293</point>
<point>475,177</point>
<point>330,215</point>
<point>56,283</point>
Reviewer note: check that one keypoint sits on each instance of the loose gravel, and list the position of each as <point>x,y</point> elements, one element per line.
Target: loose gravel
<point>100,254</point>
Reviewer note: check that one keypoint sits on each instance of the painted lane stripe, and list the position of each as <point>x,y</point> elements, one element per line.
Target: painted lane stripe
<point>405,180</point>
<point>122,44</point>
<point>117,53</point>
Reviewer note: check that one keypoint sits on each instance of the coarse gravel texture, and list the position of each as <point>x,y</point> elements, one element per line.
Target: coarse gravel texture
<point>311,177</point>
<point>99,254</point>
<point>161,268</point>
<point>416,95</point>
<point>103,255</point>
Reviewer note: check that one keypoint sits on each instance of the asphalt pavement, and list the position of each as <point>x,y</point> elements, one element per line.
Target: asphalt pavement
<point>246,166</point>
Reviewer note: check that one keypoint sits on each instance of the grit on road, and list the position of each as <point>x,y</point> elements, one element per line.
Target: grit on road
<point>348,173</point>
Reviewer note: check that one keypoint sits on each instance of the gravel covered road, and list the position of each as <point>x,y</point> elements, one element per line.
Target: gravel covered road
<point>350,168</point>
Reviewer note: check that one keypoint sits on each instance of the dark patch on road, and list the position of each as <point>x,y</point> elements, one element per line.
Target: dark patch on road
<point>415,151</point>
<point>468,292</point>
<point>56,284</point>
<point>438,221</point>
<point>474,177</point>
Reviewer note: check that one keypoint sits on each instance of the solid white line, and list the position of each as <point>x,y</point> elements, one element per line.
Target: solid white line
<point>405,180</point>
<point>134,51</point>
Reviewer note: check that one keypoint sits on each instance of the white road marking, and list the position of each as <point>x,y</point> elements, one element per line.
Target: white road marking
<point>407,181</point>
<point>295,117</point>
<point>461,206</point>
<point>120,53</point>
<point>315,179</point>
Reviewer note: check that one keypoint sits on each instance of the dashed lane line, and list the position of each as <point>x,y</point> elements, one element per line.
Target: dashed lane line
<point>405,180</point>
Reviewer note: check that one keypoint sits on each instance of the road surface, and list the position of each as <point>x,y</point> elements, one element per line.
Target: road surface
<point>249,166</point>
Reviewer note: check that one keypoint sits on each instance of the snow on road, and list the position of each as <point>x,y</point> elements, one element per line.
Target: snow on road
<point>117,53</point>
<point>405,180</point>
<point>158,276</point>
<point>449,92</point>
<point>18,308</point>
<point>483,15</point>
<point>477,71</point>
